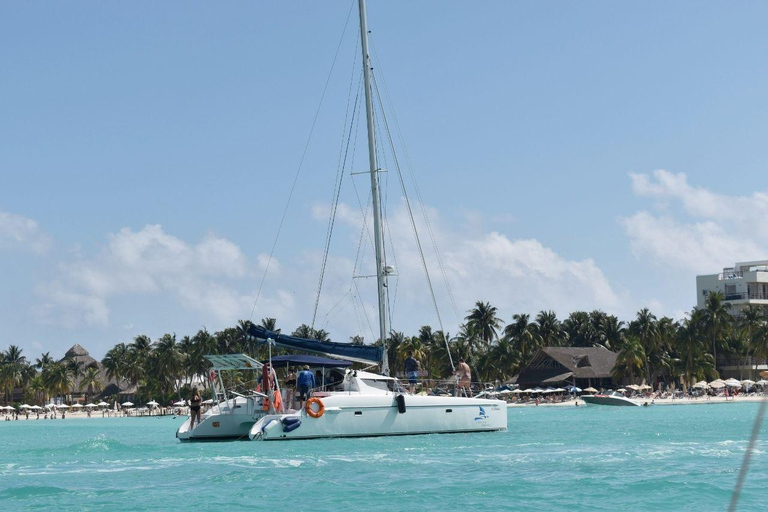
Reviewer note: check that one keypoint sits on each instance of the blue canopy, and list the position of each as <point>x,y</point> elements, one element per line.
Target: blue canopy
<point>315,361</point>
<point>356,353</point>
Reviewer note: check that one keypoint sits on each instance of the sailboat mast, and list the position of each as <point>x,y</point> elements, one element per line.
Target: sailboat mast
<point>381,278</point>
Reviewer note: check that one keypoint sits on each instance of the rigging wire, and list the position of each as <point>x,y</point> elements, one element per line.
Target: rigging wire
<point>748,455</point>
<point>417,189</point>
<point>342,164</point>
<point>301,163</point>
<point>386,232</point>
<point>413,222</point>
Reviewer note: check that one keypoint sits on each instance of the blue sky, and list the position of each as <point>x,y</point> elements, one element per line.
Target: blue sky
<point>570,155</point>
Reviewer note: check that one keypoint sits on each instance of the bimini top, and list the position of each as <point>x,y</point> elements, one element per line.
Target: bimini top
<point>315,361</point>
<point>233,362</point>
<point>357,353</point>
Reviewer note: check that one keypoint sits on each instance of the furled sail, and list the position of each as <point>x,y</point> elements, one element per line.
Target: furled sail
<point>357,353</point>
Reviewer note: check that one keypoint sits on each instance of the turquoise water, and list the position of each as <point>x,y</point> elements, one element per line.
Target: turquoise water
<point>558,459</point>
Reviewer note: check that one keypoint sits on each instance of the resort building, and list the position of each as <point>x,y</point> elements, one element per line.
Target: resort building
<point>743,284</point>
<point>581,366</point>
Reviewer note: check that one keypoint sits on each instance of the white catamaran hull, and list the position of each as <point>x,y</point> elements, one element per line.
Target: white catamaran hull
<point>355,415</point>
<point>223,421</point>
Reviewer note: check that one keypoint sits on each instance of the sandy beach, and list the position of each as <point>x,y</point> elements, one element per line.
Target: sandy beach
<point>702,400</point>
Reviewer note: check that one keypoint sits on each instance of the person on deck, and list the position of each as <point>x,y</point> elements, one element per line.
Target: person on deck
<point>304,382</point>
<point>412,371</point>
<point>194,408</point>
<point>465,377</point>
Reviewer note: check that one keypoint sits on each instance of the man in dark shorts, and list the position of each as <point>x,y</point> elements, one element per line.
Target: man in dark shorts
<point>412,371</point>
<point>304,382</point>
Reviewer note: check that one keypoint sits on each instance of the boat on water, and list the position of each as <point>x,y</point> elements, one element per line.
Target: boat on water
<point>233,413</point>
<point>611,398</point>
<point>237,402</point>
<point>364,403</point>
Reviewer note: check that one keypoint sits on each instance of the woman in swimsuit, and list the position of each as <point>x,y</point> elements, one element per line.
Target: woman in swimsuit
<point>194,408</point>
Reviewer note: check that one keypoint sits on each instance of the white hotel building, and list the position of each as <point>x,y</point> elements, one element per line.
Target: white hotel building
<point>743,284</point>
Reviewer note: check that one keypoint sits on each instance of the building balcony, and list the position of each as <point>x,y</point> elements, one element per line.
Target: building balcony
<point>746,296</point>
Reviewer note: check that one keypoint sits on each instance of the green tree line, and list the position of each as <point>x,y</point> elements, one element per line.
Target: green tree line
<point>649,348</point>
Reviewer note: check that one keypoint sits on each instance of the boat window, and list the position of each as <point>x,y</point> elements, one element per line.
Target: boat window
<point>383,384</point>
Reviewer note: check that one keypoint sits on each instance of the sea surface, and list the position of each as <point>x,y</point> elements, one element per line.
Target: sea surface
<point>555,459</point>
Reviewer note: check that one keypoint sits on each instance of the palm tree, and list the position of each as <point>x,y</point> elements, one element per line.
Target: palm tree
<point>523,336</point>
<point>303,331</point>
<point>717,320</point>
<point>550,329</point>
<point>645,328</point>
<point>58,378</point>
<point>38,387</point>
<point>168,363</point>
<point>695,363</point>
<point>467,344</point>
<point>91,381</point>
<point>116,362</point>
<point>579,329</point>
<point>44,360</point>
<point>394,341</point>
<point>631,360</point>
<point>12,364</point>
<point>482,320</point>
<point>750,324</point>
<point>270,324</point>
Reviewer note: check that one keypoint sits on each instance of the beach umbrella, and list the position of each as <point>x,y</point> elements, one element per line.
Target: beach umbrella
<point>591,390</point>
<point>764,374</point>
<point>748,382</point>
<point>558,390</point>
<point>180,403</point>
<point>621,390</point>
<point>702,384</point>
<point>63,406</point>
<point>644,386</point>
<point>36,407</point>
<point>77,406</point>
<point>575,389</point>
<point>761,382</point>
<point>91,405</point>
<point>25,406</point>
<point>102,404</point>
<point>152,403</point>
<point>634,387</point>
<point>733,383</point>
<point>127,404</point>
<point>717,384</point>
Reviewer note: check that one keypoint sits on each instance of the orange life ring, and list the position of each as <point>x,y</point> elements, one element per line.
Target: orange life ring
<point>320,407</point>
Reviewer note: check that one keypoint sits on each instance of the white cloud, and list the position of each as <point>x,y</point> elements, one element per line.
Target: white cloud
<point>712,231</point>
<point>19,232</point>
<point>515,275</point>
<point>150,261</point>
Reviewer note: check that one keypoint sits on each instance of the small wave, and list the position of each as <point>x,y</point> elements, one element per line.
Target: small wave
<point>27,491</point>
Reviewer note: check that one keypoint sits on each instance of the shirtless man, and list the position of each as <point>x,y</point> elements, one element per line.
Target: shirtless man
<point>465,377</point>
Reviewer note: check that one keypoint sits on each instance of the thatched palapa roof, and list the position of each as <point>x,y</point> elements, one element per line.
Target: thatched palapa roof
<point>556,364</point>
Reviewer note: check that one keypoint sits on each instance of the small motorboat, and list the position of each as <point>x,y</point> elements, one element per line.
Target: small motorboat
<point>609,398</point>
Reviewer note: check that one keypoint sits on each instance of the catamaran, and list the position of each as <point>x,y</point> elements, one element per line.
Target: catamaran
<point>364,403</point>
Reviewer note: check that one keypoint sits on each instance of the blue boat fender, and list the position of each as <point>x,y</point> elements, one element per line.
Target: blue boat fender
<point>290,427</point>
<point>289,420</point>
